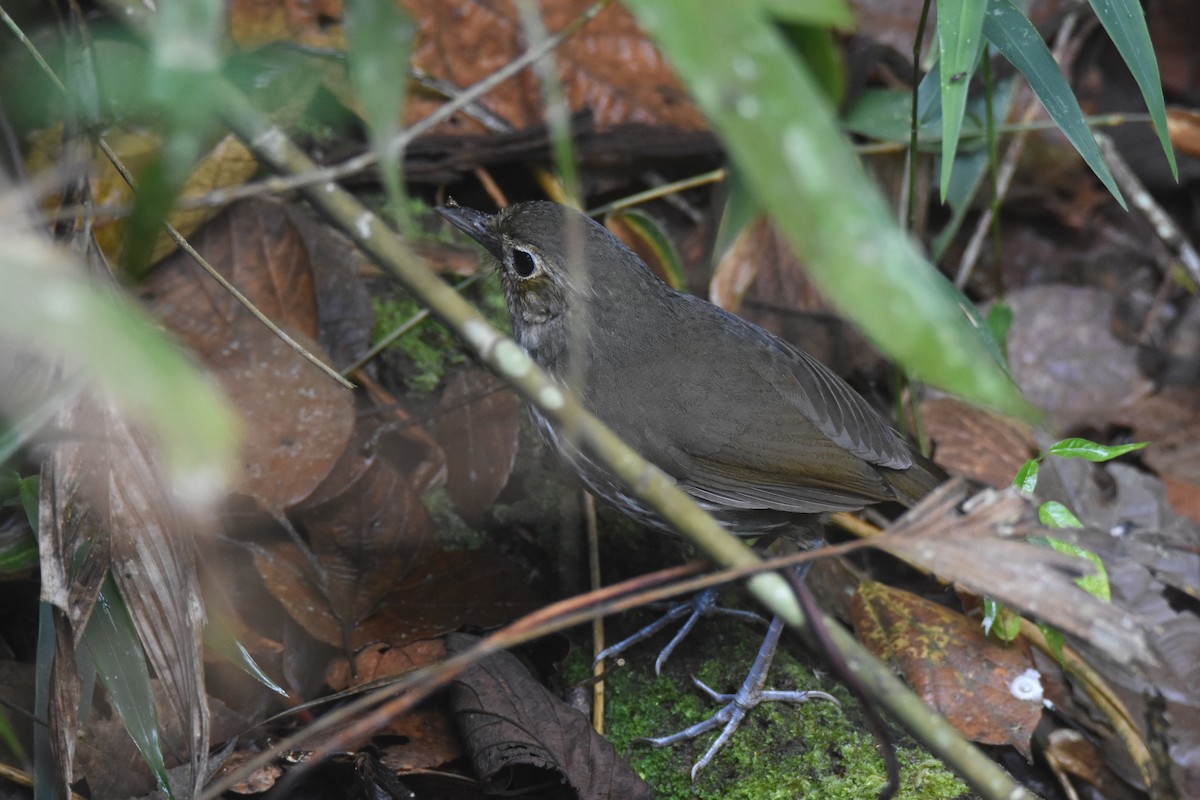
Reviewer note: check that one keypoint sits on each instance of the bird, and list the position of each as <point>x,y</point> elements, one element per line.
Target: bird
<point>758,432</point>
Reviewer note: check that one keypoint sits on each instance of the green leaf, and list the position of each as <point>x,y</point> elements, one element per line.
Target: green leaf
<point>1083,448</point>
<point>30,488</point>
<point>1125,22</point>
<point>819,13</point>
<point>960,41</point>
<point>17,555</point>
<point>379,37</point>
<point>1054,514</point>
<point>1095,584</point>
<point>1000,621</point>
<point>8,737</point>
<point>113,644</point>
<point>781,133</point>
<point>49,307</point>
<point>999,318</point>
<point>185,64</point>
<point>1027,476</point>
<point>1016,38</point>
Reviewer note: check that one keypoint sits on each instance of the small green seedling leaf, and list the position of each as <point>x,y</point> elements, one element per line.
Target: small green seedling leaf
<point>1000,620</point>
<point>1092,451</point>
<point>1027,476</point>
<point>1095,584</point>
<point>1055,515</point>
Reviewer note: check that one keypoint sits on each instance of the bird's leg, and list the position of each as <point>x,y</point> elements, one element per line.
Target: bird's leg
<point>702,604</point>
<point>738,705</point>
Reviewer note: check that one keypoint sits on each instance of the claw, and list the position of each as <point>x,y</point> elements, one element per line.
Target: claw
<point>738,705</point>
<point>703,604</point>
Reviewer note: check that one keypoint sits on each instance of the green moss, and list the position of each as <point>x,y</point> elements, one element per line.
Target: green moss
<point>782,751</point>
<point>429,350</point>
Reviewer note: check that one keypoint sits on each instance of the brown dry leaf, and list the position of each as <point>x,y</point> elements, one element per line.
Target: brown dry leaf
<point>609,68</point>
<point>382,660</point>
<point>365,538</point>
<point>1184,126</point>
<point>427,736</point>
<point>1170,421</point>
<point>975,443</point>
<point>521,736</point>
<point>1070,753</point>
<point>981,687</point>
<point>421,458</point>
<point>104,507</point>
<point>429,740</point>
<point>430,601</point>
<point>366,528</point>
<point>297,420</point>
<point>981,548</point>
<point>258,781</point>
<point>310,23</point>
<point>1065,357</point>
<point>288,576</point>
<point>256,247</point>
<point>229,163</point>
<point>478,430</point>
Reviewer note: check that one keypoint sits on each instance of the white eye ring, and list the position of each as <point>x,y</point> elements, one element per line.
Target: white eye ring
<point>524,264</point>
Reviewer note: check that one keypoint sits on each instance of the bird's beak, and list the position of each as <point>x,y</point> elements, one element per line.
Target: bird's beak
<point>475,224</point>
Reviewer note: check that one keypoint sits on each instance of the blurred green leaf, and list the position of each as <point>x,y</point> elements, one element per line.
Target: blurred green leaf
<point>113,644</point>
<point>1092,451</point>
<point>1125,22</point>
<point>960,41</point>
<point>823,54</point>
<point>1000,621</point>
<point>885,115</point>
<point>820,13</point>
<point>1095,584</point>
<point>1027,476</point>
<point>379,37</point>
<point>782,134</point>
<point>1000,317</point>
<point>8,737</point>
<point>1006,27</point>
<point>1054,514</point>
<point>186,55</point>
<point>18,547</point>
<point>49,306</point>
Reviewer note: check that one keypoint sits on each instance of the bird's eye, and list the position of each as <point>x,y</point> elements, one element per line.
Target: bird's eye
<point>523,264</point>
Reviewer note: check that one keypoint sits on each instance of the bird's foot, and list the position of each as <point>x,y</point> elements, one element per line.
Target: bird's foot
<point>702,604</point>
<point>730,716</point>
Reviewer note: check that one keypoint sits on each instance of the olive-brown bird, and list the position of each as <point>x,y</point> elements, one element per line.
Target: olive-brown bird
<point>760,433</point>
